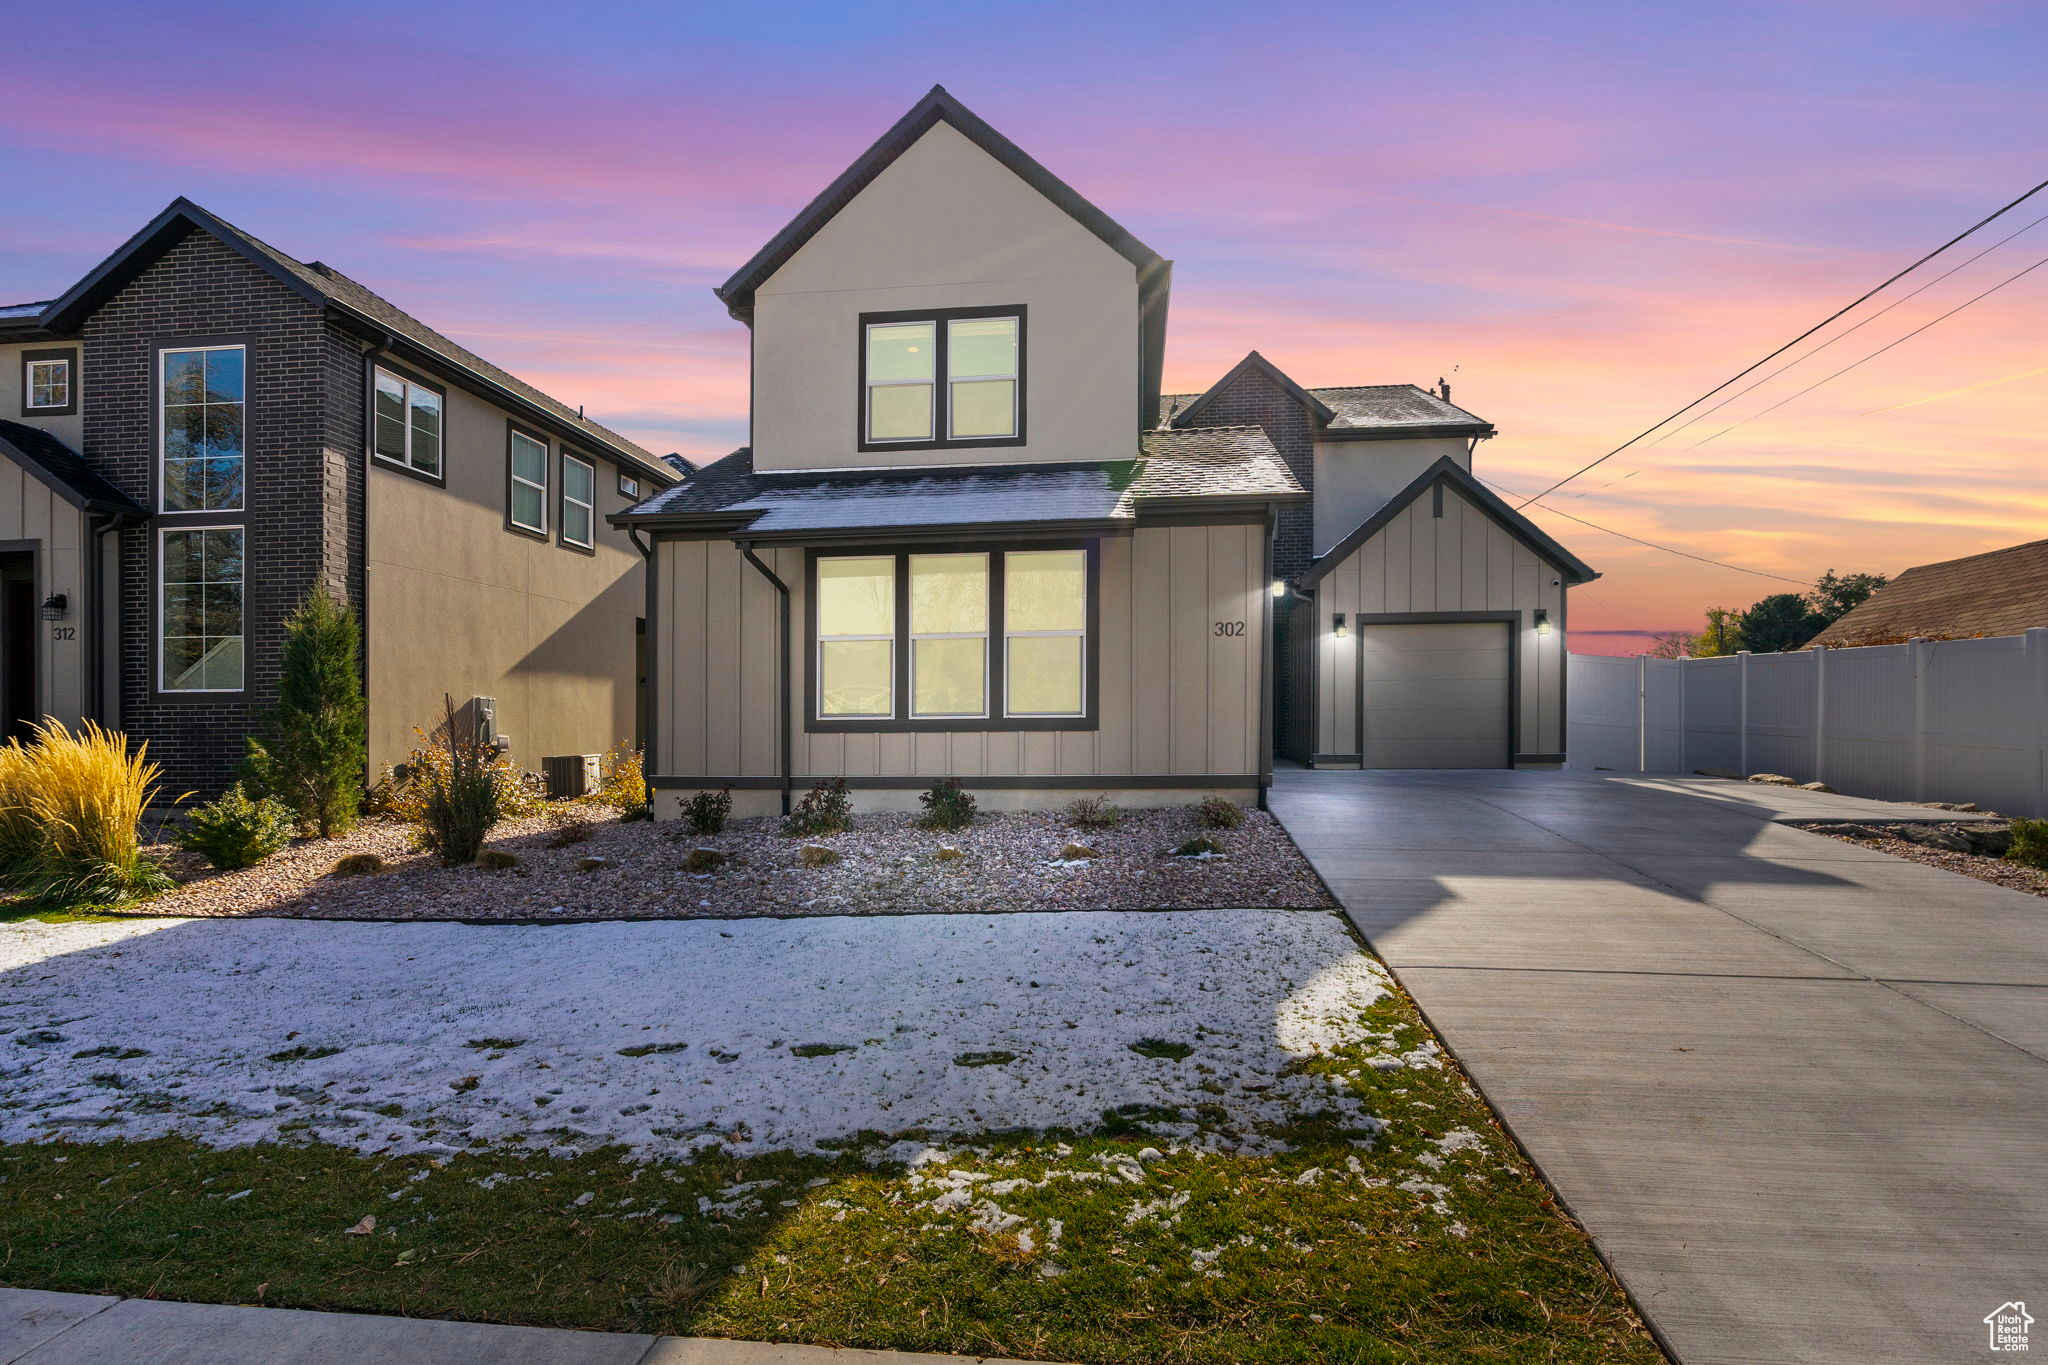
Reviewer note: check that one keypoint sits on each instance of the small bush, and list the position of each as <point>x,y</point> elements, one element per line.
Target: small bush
<point>624,783</point>
<point>824,809</point>
<point>705,860</point>
<point>947,806</point>
<point>706,812</point>
<point>358,865</point>
<point>1213,812</point>
<point>462,791</point>
<point>816,855</point>
<point>592,864</point>
<point>85,793</point>
<point>946,853</point>
<point>1094,812</point>
<point>1077,853</point>
<point>1199,846</point>
<point>236,831</point>
<point>497,859</point>
<point>570,833</point>
<point>2029,843</point>
<point>312,757</point>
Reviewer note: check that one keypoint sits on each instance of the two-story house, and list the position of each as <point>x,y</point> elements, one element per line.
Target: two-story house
<point>970,539</point>
<point>203,428</point>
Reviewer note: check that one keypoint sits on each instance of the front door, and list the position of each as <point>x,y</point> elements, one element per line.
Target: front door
<point>20,634</point>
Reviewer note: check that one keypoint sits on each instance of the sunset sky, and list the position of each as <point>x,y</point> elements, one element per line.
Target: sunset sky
<point>1583,214</point>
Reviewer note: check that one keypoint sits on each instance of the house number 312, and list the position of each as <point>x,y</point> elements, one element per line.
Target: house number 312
<point>1229,628</point>
<point>64,632</point>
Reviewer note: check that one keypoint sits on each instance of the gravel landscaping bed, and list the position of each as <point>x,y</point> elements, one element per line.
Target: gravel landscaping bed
<point>884,865</point>
<point>1975,849</point>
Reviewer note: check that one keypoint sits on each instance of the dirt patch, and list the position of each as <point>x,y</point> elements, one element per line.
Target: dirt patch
<point>1972,849</point>
<point>885,865</point>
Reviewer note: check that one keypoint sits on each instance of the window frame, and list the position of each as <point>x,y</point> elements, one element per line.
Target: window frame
<point>514,430</point>
<point>68,356</point>
<point>942,392</point>
<point>406,466</point>
<point>163,531</point>
<point>996,675</point>
<point>563,502</point>
<point>160,349</point>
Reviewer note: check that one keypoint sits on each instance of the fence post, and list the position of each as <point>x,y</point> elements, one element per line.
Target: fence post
<point>2037,673</point>
<point>1742,711</point>
<point>1820,713</point>
<point>1642,713</point>
<point>1916,652</point>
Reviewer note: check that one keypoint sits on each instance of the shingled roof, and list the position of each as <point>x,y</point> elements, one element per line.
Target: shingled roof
<point>2000,592</point>
<point>1348,412</point>
<point>63,470</point>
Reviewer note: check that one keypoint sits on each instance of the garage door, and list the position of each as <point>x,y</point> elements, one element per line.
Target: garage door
<point>1435,695</point>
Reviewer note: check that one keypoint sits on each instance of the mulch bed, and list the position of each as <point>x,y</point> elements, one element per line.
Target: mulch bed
<point>1008,862</point>
<point>1889,838</point>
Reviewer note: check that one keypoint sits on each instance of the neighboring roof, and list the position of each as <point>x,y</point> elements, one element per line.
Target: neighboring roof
<point>1185,412</point>
<point>326,287</point>
<point>1360,412</point>
<point>23,310</point>
<point>1450,472</point>
<point>2000,592</point>
<point>23,321</point>
<point>1216,467</point>
<point>63,469</point>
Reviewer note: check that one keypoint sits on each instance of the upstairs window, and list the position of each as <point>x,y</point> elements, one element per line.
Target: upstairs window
<point>203,422</point>
<point>942,380</point>
<point>49,383</point>
<point>408,422</point>
<point>526,506</point>
<point>579,502</point>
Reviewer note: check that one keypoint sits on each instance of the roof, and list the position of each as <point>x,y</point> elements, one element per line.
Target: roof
<point>326,287</point>
<point>2000,592</point>
<point>1449,471</point>
<point>1183,413</point>
<point>63,469</point>
<point>1213,468</point>
<point>1347,412</point>
<point>23,310</point>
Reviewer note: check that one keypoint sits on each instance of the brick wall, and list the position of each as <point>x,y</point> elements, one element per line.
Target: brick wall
<point>1255,400</point>
<point>200,288</point>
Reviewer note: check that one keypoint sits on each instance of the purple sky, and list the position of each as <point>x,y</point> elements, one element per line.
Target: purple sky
<point>1593,212</point>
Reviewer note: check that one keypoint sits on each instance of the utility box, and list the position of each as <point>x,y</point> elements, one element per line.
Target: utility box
<point>572,775</point>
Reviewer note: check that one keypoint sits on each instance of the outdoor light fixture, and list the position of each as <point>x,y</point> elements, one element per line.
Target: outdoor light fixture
<point>53,607</point>
<point>1341,632</point>
<point>1279,587</point>
<point>1542,621</point>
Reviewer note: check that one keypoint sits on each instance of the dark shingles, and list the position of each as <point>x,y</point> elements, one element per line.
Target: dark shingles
<point>2000,592</point>
<point>1213,462</point>
<point>1392,405</point>
<point>63,468</point>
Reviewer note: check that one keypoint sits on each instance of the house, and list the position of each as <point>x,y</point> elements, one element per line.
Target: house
<point>970,538</point>
<point>203,428</point>
<point>1999,592</point>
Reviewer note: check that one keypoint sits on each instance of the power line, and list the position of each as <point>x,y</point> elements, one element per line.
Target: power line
<point>1788,345</point>
<point>1667,549</point>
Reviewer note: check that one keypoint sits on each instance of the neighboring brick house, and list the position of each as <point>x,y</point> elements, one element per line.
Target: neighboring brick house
<point>204,428</point>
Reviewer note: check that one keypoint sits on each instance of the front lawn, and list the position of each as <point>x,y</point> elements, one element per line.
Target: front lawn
<point>1201,1136</point>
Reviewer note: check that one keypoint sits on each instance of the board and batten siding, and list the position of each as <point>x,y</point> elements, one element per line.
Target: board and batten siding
<point>31,511</point>
<point>1175,699</point>
<point>1424,564</point>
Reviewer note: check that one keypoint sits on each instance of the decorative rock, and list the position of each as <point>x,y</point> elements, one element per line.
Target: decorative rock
<point>1817,787</point>
<point>1773,779</point>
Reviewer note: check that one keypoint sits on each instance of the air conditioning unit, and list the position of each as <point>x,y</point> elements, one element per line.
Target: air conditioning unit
<point>572,775</point>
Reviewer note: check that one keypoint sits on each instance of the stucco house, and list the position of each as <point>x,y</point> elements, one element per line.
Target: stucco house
<point>970,538</point>
<point>203,428</point>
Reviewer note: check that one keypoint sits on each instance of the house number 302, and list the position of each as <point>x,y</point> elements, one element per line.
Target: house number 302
<point>64,632</point>
<point>1229,628</point>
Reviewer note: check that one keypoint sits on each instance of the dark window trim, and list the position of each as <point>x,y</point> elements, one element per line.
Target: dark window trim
<point>67,354</point>
<point>157,529</point>
<point>157,347</point>
<point>940,391</point>
<point>562,499</point>
<point>902,723</point>
<point>225,519</point>
<point>625,479</point>
<point>514,426</point>
<point>383,461</point>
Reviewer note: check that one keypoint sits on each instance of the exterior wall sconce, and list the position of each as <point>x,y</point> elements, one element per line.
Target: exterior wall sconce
<point>54,607</point>
<point>1339,629</point>
<point>1279,587</point>
<point>1542,621</point>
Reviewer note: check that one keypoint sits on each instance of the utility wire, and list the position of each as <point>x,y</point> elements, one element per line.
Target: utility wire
<point>1667,549</point>
<point>1788,345</point>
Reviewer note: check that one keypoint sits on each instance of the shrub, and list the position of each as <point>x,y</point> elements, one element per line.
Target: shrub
<point>707,812</point>
<point>816,855</point>
<point>312,759</point>
<point>86,795</point>
<point>705,860</point>
<point>497,859</point>
<point>1213,812</point>
<point>824,809</point>
<point>1094,812</point>
<point>20,836</point>
<point>462,791</point>
<point>570,833</point>
<point>2029,843</point>
<point>624,783</point>
<point>359,865</point>
<point>947,806</point>
<point>1198,847</point>
<point>238,831</point>
<point>1077,853</point>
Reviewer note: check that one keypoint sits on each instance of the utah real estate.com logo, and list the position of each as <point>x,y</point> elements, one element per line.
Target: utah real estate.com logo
<point>2008,1325</point>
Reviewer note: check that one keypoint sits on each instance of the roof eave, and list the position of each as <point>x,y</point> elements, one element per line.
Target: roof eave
<point>1421,431</point>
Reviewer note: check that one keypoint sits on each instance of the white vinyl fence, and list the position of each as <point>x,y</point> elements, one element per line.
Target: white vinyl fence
<point>1931,720</point>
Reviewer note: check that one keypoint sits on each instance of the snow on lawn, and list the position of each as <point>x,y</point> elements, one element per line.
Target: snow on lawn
<point>752,1035</point>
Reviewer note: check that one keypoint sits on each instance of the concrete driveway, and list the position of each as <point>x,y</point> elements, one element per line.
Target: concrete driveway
<point>1797,1090</point>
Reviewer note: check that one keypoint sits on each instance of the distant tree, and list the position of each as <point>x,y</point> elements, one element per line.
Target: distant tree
<point>1723,634</point>
<point>1670,644</point>
<point>1834,597</point>
<point>1779,622</point>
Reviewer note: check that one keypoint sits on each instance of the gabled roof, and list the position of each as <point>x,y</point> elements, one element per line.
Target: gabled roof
<point>2000,592</point>
<point>23,321</point>
<point>1450,472</point>
<point>327,288</point>
<point>1185,412</point>
<point>1358,412</point>
<point>63,469</point>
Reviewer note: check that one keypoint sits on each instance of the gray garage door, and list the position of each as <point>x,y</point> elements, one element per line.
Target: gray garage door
<point>1435,695</point>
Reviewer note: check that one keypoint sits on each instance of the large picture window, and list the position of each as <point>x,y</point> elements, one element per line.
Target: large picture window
<point>948,640</point>
<point>204,397</point>
<point>408,422</point>
<point>942,379</point>
<point>202,573</point>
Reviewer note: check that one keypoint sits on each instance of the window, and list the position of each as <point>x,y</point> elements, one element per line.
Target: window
<point>951,610</point>
<point>204,405</point>
<point>202,576</point>
<point>527,459</point>
<point>944,379</point>
<point>629,487</point>
<point>408,422</point>
<point>47,383</point>
<point>579,501</point>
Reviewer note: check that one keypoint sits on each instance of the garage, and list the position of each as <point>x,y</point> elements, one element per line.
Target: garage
<point>1435,694</point>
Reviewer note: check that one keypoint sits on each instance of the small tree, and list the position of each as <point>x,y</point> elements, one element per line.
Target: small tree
<point>1670,644</point>
<point>313,758</point>
<point>462,796</point>
<point>1779,622</point>
<point>1835,596</point>
<point>1723,635</point>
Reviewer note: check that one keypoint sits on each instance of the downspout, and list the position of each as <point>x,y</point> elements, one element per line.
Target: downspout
<point>1268,637</point>
<point>647,745</point>
<point>781,666</point>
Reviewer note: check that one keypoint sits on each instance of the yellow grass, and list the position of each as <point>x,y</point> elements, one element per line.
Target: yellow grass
<point>86,793</point>
<point>21,837</point>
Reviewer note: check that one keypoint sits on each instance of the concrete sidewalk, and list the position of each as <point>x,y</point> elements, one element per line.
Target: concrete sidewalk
<point>1796,1089</point>
<point>41,1328</point>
